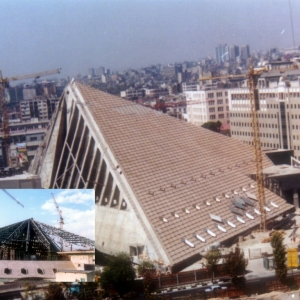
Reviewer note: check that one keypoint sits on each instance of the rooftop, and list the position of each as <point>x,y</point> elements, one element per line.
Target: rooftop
<point>180,174</point>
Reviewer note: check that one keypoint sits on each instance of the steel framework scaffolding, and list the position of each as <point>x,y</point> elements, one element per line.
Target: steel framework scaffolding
<point>30,239</point>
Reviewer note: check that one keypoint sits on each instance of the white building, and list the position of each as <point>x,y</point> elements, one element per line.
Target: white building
<point>207,105</point>
<point>278,115</point>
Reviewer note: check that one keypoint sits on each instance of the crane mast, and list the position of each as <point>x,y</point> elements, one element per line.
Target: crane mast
<point>253,76</point>
<point>7,193</point>
<point>4,83</point>
<point>61,222</point>
<point>254,105</point>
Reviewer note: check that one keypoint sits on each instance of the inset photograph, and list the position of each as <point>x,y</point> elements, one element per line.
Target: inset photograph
<point>47,235</point>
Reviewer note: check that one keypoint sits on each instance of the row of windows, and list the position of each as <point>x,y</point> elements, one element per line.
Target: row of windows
<point>220,108</point>
<point>247,133</point>
<point>263,125</point>
<point>219,94</point>
<point>265,96</point>
<point>220,116</point>
<point>212,102</point>
<point>269,145</point>
<point>245,115</point>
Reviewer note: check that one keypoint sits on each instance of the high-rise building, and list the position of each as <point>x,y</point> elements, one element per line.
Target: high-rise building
<point>222,53</point>
<point>244,52</point>
<point>278,115</point>
<point>205,106</point>
<point>234,52</point>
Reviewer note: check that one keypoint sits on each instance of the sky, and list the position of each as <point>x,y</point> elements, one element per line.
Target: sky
<point>77,206</point>
<point>118,34</point>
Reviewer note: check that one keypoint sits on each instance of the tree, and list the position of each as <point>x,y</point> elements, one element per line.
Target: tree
<point>54,292</point>
<point>235,264</point>
<point>279,255</point>
<point>146,269</point>
<point>212,258</point>
<point>213,126</point>
<point>118,274</point>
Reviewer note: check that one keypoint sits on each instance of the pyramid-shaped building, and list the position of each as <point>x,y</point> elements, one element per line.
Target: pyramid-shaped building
<point>165,189</point>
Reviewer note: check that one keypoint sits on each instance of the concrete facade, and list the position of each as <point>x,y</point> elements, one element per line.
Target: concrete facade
<point>156,179</point>
<point>207,105</point>
<point>278,115</point>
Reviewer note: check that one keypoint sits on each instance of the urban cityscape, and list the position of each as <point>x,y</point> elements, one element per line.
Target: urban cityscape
<point>146,175</point>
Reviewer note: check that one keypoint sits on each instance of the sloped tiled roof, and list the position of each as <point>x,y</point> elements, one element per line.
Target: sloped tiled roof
<point>172,165</point>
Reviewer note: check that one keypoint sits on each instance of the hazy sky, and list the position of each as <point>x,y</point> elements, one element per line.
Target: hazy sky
<point>38,35</point>
<point>77,206</point>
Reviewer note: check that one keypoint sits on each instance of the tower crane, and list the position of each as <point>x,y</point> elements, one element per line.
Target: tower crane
<point>253,75</point>
<point>4,83</point>
<point>61,222</point>
<point>7,193</point>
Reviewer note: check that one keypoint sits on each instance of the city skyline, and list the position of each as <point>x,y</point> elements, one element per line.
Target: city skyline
<point>79,35</point>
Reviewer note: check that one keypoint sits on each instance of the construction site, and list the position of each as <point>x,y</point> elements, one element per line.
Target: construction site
<point>32,250</point>
<point>186,189</point>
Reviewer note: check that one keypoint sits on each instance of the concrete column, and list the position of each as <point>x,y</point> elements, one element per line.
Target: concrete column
<point>296,198</point>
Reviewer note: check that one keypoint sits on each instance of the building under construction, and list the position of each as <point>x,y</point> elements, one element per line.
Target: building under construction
<point>165,190</point>
<point>33,240</point>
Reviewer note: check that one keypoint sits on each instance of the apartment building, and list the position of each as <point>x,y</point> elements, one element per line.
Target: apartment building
<point>207,105</point>
<point>278,115</point>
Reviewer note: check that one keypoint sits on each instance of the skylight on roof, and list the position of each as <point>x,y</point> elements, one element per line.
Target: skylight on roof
<point>175,215</point>
<point>231,224</point>
<point>240,220</point>
<point>188,243</point>
<point>197,206</point>
<point>274,204</point>
<point>257,211</point>
<point>267,208</point>
<point>252,185</point>
<point>207,203</point>
<point>186,210</point>
<point>226,195</point>
<point>249,216</point>
<point>199,237</point>
<point>251,196</point>
<point>210,232</point>
<point>221,228</point>
<point>164,219</point>
<point>217,199</point>
<point>216,218</point>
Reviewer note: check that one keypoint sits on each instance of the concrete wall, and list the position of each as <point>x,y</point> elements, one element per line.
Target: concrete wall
<point>72,277</point>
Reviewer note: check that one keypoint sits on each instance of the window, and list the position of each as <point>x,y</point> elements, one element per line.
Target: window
<point>219,101</point>
<point>40,271</point>
<point>33,139</point>
<point>219,94</point>
<point>24,271</point>
<point>211,102</point>
<point>221,116</point>
<point>7,271</point>
<point>210,95</point>
<point>221,108</point>
<point>211,109</point>
<point>212,117</point>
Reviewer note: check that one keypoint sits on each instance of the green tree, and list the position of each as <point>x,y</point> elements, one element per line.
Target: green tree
<point>213,126</point>
<point>118,274</point>
<point>235,264</point>
<point>54,292</point>
<point>279,255</point>
<point>213,256</point>
<point>146,269</point>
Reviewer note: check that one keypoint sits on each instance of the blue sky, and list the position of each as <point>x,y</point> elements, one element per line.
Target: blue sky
<point>117,34</point>
<point>77,208</point>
